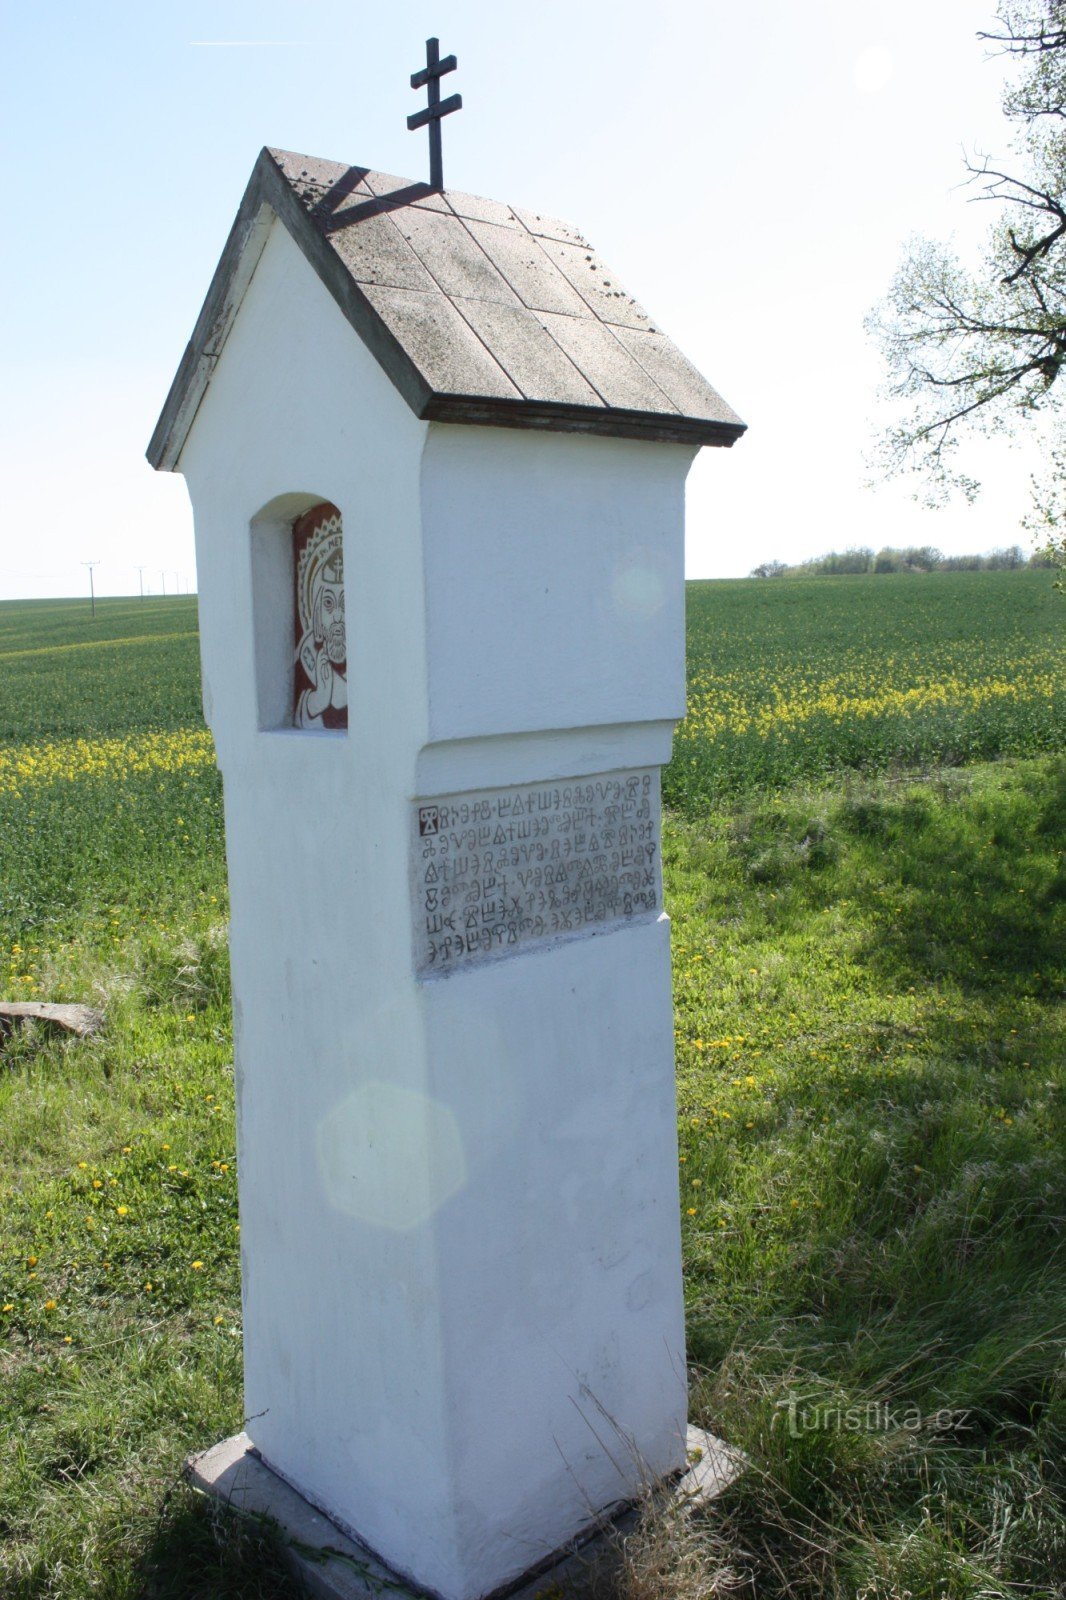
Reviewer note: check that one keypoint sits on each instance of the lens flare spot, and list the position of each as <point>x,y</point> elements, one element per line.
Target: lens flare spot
<point>390,1156</point>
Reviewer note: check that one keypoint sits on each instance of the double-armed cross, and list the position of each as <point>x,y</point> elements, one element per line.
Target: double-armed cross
<point>430,76</point>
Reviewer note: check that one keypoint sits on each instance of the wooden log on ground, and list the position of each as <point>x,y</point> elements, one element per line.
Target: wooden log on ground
<point>77,1019</point>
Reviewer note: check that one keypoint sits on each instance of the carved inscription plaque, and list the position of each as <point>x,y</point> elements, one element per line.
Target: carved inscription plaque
<point>499,868</point>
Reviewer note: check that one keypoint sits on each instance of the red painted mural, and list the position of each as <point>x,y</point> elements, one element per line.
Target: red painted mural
<point>320,687</point>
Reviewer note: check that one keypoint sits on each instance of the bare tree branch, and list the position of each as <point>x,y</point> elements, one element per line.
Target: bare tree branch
<point>974,350</point>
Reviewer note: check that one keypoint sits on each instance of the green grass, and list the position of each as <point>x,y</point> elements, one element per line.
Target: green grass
<point>63,675</point>
<point>871,1045</point>
<point>871,1041</point>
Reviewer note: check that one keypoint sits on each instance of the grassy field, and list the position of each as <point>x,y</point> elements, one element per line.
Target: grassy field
<point>808,677</point>
<point>869,937</point>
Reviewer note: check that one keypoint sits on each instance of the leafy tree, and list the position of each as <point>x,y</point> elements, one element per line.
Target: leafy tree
<point>981,350</point>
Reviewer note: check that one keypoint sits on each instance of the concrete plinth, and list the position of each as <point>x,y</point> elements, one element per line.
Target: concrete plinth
<point>333,1566</point>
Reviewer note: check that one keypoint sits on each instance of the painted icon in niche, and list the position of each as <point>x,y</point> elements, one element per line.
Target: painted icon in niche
<point>320,688</point>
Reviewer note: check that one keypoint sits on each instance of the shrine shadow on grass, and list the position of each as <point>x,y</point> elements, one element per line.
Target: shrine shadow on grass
<point>975,900</point>
<point>200,1550</point>
<point>879,1220</point>
<point>918,1125</point>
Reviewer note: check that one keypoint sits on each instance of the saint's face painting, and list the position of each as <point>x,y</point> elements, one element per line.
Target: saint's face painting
<point>320,687</point>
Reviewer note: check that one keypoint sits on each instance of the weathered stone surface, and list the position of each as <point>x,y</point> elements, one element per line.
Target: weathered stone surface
<point>449,252</point>
<point>618,378</point>
<point>550,227</point>
<point>473,207</point>
<point>390,188</point>
<point>492,871</point>
<point>534,362</point>
<point>315,180</point>
<point>441,344</point>
<point>527,269</point>
<point>596,284</point>
<point>374,251</point>
<point>677,378</point>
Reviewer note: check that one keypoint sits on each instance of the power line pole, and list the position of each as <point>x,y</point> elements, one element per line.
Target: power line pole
<point>92,587</point>
<point>140,574</point>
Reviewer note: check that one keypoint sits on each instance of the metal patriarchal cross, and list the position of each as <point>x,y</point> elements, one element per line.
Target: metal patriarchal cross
<point>430,77</point>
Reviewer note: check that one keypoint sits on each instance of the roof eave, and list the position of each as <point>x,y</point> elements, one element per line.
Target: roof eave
<point>662,427</point>
<point>268,196</point>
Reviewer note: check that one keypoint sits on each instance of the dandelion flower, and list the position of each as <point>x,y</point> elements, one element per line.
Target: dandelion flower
<point>197,1266</point>
<point>50,1305</point>
<point>123,1211</point>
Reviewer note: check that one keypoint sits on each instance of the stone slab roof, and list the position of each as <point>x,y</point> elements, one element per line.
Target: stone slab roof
<point>479,312</point>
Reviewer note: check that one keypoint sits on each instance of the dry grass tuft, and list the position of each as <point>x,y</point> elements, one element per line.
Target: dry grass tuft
<point>672,1551</point>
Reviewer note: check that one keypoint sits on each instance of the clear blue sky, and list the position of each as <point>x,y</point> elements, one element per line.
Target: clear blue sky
<point>750,172</point>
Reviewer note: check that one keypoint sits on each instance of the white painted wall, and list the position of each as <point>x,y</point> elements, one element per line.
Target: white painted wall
<point>582,539</point>
<point>338,1314</point>
<point>460,1239</point>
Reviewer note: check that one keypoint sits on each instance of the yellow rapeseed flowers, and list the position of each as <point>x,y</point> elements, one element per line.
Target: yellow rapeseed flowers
<point>29,766</point>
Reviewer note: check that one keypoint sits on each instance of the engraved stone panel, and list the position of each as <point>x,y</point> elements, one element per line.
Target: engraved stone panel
<point>498,868</point>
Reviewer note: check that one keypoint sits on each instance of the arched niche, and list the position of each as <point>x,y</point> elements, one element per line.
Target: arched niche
<point>301,666</point>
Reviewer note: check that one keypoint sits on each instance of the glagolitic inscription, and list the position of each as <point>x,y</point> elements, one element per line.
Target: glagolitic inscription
<point>498,868</point>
